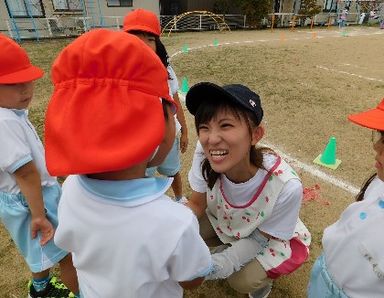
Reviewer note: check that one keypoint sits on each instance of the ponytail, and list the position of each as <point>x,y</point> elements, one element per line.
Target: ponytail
<point>360,195</point>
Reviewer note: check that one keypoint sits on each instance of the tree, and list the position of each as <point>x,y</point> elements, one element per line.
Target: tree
<point>309,8</point>
<point>255,10</point>
<point>222,6</point>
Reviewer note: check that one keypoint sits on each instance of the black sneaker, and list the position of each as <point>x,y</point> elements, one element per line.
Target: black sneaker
<point>54,289</point>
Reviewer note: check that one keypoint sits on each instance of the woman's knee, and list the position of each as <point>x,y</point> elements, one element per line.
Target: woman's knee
<point>250,278</point>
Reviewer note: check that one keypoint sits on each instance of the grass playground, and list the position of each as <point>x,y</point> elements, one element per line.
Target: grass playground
<point>309,81</point>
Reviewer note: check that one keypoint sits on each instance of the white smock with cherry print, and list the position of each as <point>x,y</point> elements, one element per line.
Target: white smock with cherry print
<point>232,222</point>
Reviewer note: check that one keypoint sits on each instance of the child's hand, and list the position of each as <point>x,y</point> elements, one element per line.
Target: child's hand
<point>42,225</point>
<point>183,142</point>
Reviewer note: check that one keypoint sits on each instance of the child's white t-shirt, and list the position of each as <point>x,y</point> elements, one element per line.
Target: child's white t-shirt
<point>283,220</point>
<point>19,144</point>
<point>128,239</point>
<point>173,85</point>
<point>354,246</point>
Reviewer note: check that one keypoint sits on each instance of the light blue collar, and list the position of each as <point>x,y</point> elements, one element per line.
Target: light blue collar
<point>126,193</point>
<point>21,112</point>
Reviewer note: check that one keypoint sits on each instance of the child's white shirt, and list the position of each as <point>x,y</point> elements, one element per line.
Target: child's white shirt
<point>19,144</point>
<point>173,85</point>
<point>354,246</point>
<point>128,239</point>
<point>283,219</point>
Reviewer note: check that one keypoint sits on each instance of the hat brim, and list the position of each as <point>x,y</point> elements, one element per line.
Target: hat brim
<point>25,75</point>
<point>204,91</point>
<point>373,119</point>
<point>141,28</point>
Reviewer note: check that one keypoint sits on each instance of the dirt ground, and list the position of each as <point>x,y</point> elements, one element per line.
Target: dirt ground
<point>309,81</point>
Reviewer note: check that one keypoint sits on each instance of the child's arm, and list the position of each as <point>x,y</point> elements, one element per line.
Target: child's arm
<point>189,269</point>
<point>198,203</point>
<point>28,179</point>
<point>181,118</point>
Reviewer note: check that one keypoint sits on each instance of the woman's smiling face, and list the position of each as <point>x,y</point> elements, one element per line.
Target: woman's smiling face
<point>226,139</point>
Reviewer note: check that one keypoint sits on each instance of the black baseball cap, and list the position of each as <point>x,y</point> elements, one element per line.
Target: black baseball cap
<point>235,92</point>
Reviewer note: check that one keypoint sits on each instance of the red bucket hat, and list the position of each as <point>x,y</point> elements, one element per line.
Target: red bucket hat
<point>15,66</point>
<point>142,20</point>
<point>373,119</point>
<point>105,113</point>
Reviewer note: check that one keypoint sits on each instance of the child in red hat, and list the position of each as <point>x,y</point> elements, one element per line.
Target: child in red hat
<point>145,25</point>
<point>352,262</point>
<point>110,116</point>
<point>29,196</point>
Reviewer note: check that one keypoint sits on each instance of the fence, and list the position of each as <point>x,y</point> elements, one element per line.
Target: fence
<point>56,26</point>
<point>201,22</point>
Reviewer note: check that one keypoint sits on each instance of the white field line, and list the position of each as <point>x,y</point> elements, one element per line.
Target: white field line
<point>353,65</point>
<point>329,35</point>
<point>314,171</point>
<point>349,74</point>
<point>295,162</point>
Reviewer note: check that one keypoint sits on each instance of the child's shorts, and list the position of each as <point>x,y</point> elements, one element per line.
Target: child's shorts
<point>171,164</point>
<point>321,283</point>
<point>16,216</point>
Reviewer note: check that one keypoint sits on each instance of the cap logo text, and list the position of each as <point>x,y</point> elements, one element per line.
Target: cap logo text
<point>252,103</point>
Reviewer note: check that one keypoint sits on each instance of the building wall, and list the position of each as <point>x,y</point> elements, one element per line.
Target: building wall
<point>101,14</point>
<point>122,11</point>
<point>175,7</point>
<point>3,16</point>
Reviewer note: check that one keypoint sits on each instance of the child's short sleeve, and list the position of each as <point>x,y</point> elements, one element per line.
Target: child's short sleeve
<point>172,81</point>
<point>191,258</point>
<point>195,176</point>
<point>14,149</point>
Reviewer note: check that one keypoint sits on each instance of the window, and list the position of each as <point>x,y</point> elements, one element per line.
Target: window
<point>330,5</point>
<point>67,5</point>
<point>25,8</point>
<point>121,3</point>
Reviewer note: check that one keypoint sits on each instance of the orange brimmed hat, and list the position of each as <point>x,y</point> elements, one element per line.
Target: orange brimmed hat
<point>15,66</point>
<point>105,113</point>
<point>142,20</point>
<point>373,119</point>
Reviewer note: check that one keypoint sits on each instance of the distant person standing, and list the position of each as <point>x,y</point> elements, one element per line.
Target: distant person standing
<point>343,18</point>
<point>362,17</point>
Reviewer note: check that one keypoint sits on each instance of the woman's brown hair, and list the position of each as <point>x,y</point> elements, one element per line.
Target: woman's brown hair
<point>360,195</point>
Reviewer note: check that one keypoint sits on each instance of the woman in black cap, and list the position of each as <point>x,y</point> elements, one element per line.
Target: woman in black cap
<point>247,198</point>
